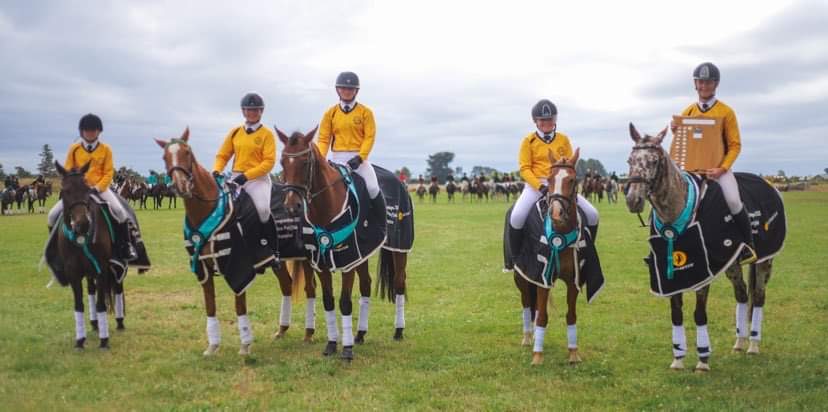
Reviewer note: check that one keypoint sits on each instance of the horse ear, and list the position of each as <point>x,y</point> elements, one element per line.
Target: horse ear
<point>161,143</point>
<point>575,157</point>
<point>282,136</point>
<point>309,135</point>
<point>634,134</point>
<point>660,136</point>
<point>60,168</point>
<point>85,167</point>
<point>186,135</point>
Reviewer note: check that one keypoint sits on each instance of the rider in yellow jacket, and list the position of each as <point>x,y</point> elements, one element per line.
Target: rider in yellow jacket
<point>99,177</point>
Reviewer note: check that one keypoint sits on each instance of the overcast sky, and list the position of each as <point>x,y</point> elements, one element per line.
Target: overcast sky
<point>439,75</point>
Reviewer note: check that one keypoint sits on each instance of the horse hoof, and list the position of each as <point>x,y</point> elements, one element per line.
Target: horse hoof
<point>211,350</point>
<point>120,322</point>
<point>398,334</point>
<point>281,333</point>
<point>79,343</point>
<point>702,367</point>
<point>330,348</point>
<point>347,353</point>
<point>754,348</point>
<point>740,344</point>
<point>573,357</point>
<point>309,335</point>
<point>244,349</point>
<point>537,358</point>
<point>677,365</point>
<point>94,324</point>
<point>527,339</point>
<point>104,345</point>
<point>360,337</point>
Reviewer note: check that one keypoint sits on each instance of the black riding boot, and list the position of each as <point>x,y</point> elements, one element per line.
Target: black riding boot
<point>748,254</point>
<point>123,242</point>
<point>515,242</point>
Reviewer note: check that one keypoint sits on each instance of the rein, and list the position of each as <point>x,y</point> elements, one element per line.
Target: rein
<point>188,173</point>
<point>558,242</point>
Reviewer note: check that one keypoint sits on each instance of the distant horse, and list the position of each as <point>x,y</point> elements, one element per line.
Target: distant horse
<point>611,187</point>
<point>465,188</point>
<point>84,245</point>
<point>451,188</point>
<point>7,200</point>
<point>157,195</point>
<point>433,190</point>
<point>21,195</point>
<point>318,190</point>
<point>654,177</point>
<point>480,188</point>
<point>421,192</point>
<point>172,197</point>
<point>201,194</point>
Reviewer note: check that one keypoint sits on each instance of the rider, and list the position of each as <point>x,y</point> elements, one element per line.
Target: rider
<point>706,79</point>
<point>450,178</point>
<point>89,149</point>
<point>348,130</point>
<point>465,178</point>
<point>420,180</point>
<point>152,179</point>
<point>535,168</point>
<point>614,177</point>
<point>253,149</point>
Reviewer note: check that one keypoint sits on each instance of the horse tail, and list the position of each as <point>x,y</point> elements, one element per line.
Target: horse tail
<point>386,271</point>
<point>297,276</point>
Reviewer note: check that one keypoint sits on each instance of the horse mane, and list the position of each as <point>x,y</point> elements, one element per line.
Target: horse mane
<point>294,137</point>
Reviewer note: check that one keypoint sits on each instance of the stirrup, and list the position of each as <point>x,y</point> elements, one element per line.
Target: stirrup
<point>747,255</point>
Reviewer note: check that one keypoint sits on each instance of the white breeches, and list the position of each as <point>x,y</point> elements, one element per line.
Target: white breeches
<point>730,190</point>
<point>527,200</point>
<point>108,196</point>
<point>365,170</point>
<point>259,191</point>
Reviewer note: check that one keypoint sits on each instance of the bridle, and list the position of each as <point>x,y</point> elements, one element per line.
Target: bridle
<point>304,190</point>
<point>656,178</point>
<point>188,172</point>
<point>566,200</point>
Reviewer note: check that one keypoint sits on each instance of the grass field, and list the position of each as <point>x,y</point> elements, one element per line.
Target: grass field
<point>462,348</point>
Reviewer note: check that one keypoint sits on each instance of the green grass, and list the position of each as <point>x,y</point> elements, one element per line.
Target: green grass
<point>462,339</point>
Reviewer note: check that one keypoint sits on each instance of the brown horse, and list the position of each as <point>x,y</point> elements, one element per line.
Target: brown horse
<point>201,194</point>
<point>561,201</point>
<point>84,245</point>
<point>451,188</point>
<point>433,190</point>
<point>315,183</point>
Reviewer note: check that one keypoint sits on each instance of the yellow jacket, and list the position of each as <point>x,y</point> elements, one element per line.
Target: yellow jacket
<point>100,170</point>
<point>254,154</point>
<point>730,128</point>
<point>347,132</point>
<point>534,156</point>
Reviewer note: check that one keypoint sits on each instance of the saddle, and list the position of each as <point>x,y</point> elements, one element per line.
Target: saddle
<point>688,255</point>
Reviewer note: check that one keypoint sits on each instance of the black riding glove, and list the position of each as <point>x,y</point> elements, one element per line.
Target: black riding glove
<point>240,180</point>
<point>544,189</point>
<point>355,162</point>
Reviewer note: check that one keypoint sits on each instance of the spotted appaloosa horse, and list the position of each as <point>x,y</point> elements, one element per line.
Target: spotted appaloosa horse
<point>654,177</point>
<point>561,200</point>
<point>315,183</point>
<point>201,193</point>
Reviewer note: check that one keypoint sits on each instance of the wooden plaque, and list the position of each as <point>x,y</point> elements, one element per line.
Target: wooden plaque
<point>698,143</point>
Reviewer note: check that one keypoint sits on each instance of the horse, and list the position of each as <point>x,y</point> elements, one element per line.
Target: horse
<point>611,187</point>
<point>157,195</point>
<point>202,194</point>
<point>421,191</point>
<point>465,188</point>
<point>31,197</point>
<point>42,193</point>
<point>654,176</point>
<point>318,190</point>
<point>480,188</point>
<point>84,245</point>
<point>433,190</point>
<point>451,188</point>
<point>21,195</point>
<point>172,197</point>
<point>563,233</point>
<point>7,200</point>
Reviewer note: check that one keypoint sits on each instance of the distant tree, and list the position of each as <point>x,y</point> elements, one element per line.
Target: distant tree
<point>780,172</point>
<point>438,165</point>
<point>458,171</point>
<point>2,172</point>
<point>46,167</point>
<point>21,172</point>
<point>483,171</point>
<point>824,170</point>
<point>593,164</point>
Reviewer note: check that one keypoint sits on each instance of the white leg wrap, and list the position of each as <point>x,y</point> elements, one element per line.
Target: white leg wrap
<point>703,341</point>
<point>245,330</point>
<point>93,315</point>
<point>400,301</point>
<point>364,306</point>
<point>679,342</point>
<point>310,314</point>
<point>103,325</point>
<point>572,336</point>
<point>527,320</point>
<point>213,331</point>
<point>539,332</point>
<point>80,326</point>
<point>119,306</point>
<point>347,330</point>
<point>285,311</point>
<point>741,320</point>
<point>330,322</point>
<point>756,324</point>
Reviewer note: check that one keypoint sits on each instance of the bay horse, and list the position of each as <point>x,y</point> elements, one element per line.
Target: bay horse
<point>421,191</point>
<point>84,245</point>
<point>451,188</point>
<point>433,190</point>
<point>318,190</point>
<point>201,193</point>
<point>563,213</point>
<point>7,200</point>
<point>656,178</point>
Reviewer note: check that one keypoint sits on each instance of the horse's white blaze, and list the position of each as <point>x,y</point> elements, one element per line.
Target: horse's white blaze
<point>290,160</point>
<point>173,149</point>
<point>562,174</point>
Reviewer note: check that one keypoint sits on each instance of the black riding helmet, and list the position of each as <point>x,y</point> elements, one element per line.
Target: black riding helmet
<point>90,122</point>
<point>544,109</point>
<point>348,80</point>
<point>706,71</point>
<point>252,101</point>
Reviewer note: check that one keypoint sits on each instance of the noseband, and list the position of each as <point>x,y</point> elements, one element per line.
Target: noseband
<point>565,200</point>
<point>655,180</point>
<point>188,173</point>
<point>305,190</point>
